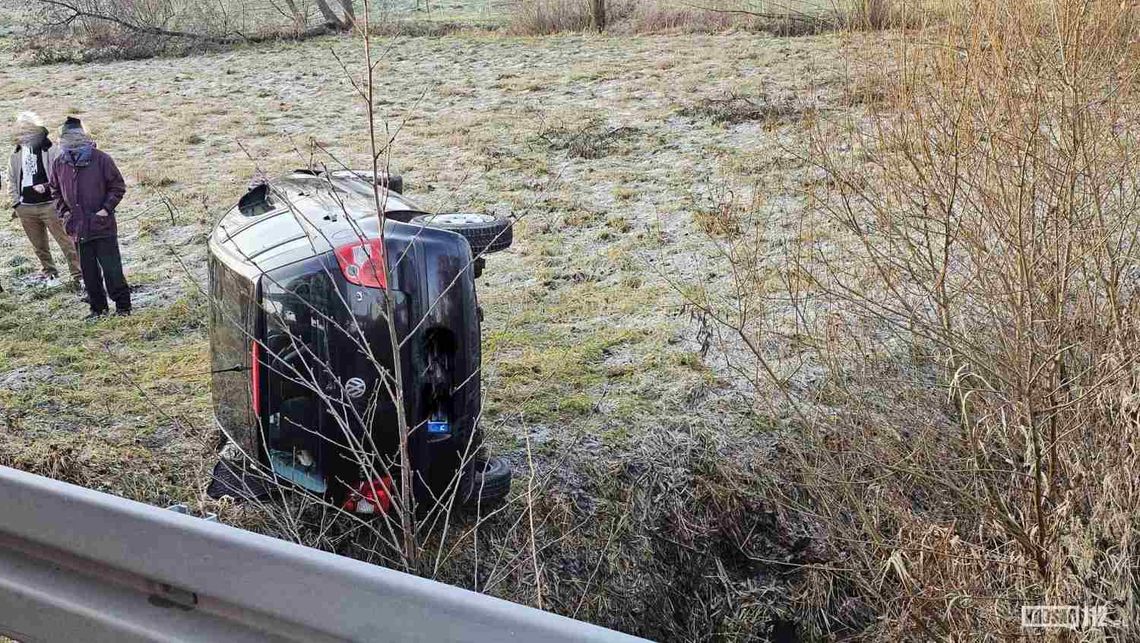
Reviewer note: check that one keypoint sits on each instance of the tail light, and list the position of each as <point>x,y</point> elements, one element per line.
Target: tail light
<point>374,497</point>
<point>362,263</point>
<point>255,377</point>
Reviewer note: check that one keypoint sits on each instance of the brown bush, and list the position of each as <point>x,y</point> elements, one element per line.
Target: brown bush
<point>964,299</point>
<point>873,15</point>
<point>545,17</point>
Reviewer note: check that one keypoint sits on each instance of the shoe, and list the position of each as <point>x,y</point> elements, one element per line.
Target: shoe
<point>122,312</point>
<point>95,316</point>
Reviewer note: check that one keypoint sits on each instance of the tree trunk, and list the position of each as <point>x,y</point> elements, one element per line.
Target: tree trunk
<point>349,12</point>
<point>329,15</point>
<point>296,14</point>
<point>599,14</point>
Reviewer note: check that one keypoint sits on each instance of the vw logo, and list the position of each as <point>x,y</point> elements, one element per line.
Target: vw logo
<point>355,387</point>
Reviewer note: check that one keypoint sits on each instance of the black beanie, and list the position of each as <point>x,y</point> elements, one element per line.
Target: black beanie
<point>70,124</point>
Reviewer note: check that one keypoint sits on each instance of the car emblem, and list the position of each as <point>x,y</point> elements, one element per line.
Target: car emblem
<point>355,387</point>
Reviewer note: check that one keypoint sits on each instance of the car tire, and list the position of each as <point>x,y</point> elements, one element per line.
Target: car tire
<point>487,482</point>
<point>394,182</point>
<point>484,232</point>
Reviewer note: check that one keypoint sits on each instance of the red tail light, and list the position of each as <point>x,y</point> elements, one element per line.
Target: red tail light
<point>373,497</point>
<point>362,263</point>
<point>255,377</point>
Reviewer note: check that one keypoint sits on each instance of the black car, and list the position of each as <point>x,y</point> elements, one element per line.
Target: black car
<point>303,386</point>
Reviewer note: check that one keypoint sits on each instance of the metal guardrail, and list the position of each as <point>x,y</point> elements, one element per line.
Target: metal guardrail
<point>80,565</point>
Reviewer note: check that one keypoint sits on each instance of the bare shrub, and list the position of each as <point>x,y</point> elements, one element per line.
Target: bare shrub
<point>875,15</point>
<point>544,17</point>
<point>962,301</point>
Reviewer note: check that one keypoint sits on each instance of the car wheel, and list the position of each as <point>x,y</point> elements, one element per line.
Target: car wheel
<point>484,232</point>
<point>394,182</point>
<point>488,481</point>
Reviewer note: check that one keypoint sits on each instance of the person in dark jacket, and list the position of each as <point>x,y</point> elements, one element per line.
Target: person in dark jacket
<point>28,171</point>
<point>88,188</point>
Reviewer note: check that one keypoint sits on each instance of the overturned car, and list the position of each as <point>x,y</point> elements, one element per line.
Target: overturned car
<point>306,368</point>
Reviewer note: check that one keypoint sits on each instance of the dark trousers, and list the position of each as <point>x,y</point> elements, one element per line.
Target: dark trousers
<point>101,263</point>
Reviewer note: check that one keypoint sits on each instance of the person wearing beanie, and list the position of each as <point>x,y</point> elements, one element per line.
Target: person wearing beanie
<point>28,184</point>
<point>88,187</point>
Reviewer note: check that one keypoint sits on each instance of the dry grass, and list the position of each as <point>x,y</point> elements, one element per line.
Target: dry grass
<point>591,140</point>
<point>764,108</point>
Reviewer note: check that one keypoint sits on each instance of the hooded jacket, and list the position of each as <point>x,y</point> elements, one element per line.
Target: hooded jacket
<point>48,154</point>
<point>82,190</point>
